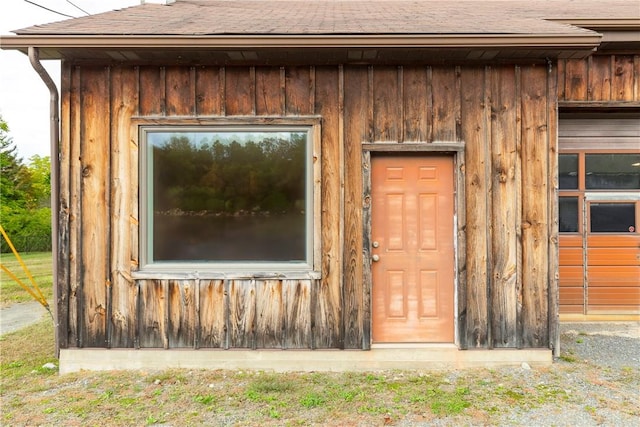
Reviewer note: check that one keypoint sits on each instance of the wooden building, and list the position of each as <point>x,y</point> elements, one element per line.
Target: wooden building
<point>380,176</point>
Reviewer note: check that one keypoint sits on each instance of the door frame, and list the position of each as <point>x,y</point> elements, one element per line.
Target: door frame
<point>456,151</point>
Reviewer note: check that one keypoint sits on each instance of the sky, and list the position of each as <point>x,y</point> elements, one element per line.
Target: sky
<point>24,98</point>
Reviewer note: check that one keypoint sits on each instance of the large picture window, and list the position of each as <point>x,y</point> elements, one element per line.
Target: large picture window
<point>227,197</point>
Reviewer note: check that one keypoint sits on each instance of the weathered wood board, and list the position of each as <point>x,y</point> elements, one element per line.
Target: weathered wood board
<point>600,80</point>
<point>501,116</point>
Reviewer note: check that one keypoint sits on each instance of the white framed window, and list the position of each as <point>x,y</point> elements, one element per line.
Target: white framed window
<point>229,198</point>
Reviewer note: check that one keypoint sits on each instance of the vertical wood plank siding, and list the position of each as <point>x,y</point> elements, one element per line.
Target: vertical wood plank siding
<point>94,224</point>
<point>182,313</point>
<point>269,96</point>
<point>326,298</point>
<point>123,311</point>
<point>357,129</point>
<point>504,215</point>
<point>270,314</point>
<point>213,331</point>
<point>554,241</point>
<point>600,78</point>
<point>74,207</point>
<point>415,99</point>
<point>473,307</point>
<point>535,221</point>
<point>64,216</point>
<point>501,114</point>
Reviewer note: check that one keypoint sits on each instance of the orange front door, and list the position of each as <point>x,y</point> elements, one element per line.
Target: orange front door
<point>412,238</point>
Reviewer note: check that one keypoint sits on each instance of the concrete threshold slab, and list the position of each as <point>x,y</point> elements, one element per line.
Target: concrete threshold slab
<point>437,357</point>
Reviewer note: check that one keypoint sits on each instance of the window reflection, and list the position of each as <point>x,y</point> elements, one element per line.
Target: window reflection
<point>228,196</point>
<point>568,209</point>
<point>612,171</point>
<point>568,171</point>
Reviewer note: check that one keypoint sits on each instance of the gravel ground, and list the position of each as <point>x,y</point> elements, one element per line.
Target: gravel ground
<point>596,382</point>
<point>599,369</point>
<point>613,344</point>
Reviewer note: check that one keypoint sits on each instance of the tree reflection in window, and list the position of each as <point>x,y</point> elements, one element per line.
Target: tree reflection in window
<point>229,196</point>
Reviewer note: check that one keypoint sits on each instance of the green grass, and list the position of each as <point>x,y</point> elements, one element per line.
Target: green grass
<point>40,265</point>
<point>254,398</point>
<point>568,357</point>
<point>23,353</point>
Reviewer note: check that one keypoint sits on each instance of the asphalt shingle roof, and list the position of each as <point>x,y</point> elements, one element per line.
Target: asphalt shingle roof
<point>299,17</point>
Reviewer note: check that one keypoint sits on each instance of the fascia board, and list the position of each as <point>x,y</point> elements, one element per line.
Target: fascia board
<point>559,41</point>
<point>601,24</point>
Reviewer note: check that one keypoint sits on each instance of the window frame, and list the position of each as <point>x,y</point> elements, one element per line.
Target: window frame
<point>585,173</point>
<point>309,268</point>
<point>579,201</point>
<point>633,201</point>
<point>585,196</point>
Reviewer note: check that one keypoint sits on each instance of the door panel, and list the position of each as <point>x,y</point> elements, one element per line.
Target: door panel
<point>412,227</point>
<point>613,255</point>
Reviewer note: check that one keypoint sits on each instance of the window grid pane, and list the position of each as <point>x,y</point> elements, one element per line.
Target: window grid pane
<point>612,171</point>
<point>568,213</point>
<point>568,171</point>
<point>613,217</point>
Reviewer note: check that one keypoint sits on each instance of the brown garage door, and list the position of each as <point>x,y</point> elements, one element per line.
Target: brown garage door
<point>599,205</point>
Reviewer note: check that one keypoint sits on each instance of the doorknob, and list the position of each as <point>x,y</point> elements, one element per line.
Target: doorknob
<point>375,258</point>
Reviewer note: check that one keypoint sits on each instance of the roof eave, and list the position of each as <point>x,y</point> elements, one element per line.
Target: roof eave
<point>632,24</point>
<point>547,41</point>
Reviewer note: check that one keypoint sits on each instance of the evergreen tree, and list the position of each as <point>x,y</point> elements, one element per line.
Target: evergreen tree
<point>14,183</point>
<point>24,197</point>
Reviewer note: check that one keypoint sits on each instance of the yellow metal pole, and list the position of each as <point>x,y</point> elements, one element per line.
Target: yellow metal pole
<point>19,282</point>
<point>35,292</point>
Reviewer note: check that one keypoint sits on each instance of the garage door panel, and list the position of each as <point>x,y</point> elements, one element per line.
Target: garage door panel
<point>609,241</point>
<point>613,295</point>
<point>570,240</point>
<point>614,276</point>
<point>571,309</point>
<point>572,296</point>
<point>571,276</point>
<point>571,256</point>
<point>612,256</point>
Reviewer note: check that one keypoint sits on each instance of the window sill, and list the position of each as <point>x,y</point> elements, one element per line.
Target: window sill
<point>218,275</point>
